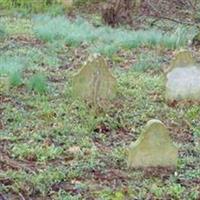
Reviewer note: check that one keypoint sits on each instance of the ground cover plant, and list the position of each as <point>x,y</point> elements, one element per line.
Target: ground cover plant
<point>54,147</point>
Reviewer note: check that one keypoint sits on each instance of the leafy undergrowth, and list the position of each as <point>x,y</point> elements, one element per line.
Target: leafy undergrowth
<point>52,147</point>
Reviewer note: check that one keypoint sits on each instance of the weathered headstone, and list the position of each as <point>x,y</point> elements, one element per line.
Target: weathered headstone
<point>153,148</point>
<point>183,80</point>
<point>182,58</point>
<point>94,83</point>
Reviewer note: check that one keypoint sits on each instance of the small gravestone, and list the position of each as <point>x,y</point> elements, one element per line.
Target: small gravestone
<point>183,80</point>
<point>153,148</point>
<point>94,83</point>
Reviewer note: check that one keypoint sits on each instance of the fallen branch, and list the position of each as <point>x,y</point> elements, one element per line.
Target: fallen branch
<point>173,20</point>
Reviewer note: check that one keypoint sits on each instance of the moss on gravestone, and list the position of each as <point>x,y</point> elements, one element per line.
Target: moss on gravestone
<point>94,83</point>
<point>182,58</point>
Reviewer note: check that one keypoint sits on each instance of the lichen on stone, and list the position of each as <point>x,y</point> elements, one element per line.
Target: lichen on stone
<point>94,83</point>
<point>153,148</point>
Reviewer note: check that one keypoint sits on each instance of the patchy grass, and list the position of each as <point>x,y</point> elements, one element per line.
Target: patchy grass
<point>53,147</point>
<point>2,31</point>
<point>148,61</point>
<point>37,83</point>
<point>104,40</point>
<point>9,65</point>
<point>15,79</point>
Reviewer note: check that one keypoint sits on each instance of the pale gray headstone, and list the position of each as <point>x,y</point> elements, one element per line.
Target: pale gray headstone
<point>183,80</point>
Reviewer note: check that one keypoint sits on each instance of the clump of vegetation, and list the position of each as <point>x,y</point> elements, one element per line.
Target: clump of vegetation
<point>106,50</point>
<point>27,4</point>
<point>147,61</point>
<point>8,64</point>
<point>33,152</point>
<point>2,31</point>
<point>38,83</point>
<point>103,39</point>
<point>15,79</point>
<point>12,68</point>
<point>71,33</point>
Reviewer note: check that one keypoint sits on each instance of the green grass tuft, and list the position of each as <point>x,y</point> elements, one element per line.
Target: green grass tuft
<point>15,79</point>
<point>3,32</point>
<point>40,153</point>
<point>38,83</point>
<point>104,39</point>
<point>147,61</point>
<point>9,65</point>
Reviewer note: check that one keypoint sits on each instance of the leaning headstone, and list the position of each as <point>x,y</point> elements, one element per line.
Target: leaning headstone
<point>94,83</point>
<point>154,148</point>
<point>183,80</point>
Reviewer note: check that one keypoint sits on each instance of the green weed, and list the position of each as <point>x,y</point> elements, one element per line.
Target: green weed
<point>15,79</point>
<point>39,181</point>
<point>12,68</point>
<point>45,28</point>
<point>56,10</point>
<point>106,50</point>
<point>38,83</point>
<point>29,5</point>
<point>36,152</point>
<point>103,39</point>
<point>3,32</point>
<point>9,65</point>
<point>147,61</point>
<point>17,25</point>
<point>176,190</point>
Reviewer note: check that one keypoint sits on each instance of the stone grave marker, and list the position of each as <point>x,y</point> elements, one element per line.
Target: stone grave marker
<point>94,83</point>
<point>182,58</point>
<point>153,148</point>
<point>183,80</point>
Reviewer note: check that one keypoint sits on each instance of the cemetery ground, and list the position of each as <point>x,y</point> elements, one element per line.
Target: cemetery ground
<point>53,146</point>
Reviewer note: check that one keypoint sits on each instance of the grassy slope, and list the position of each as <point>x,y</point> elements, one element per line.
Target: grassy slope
<point>52,147</point>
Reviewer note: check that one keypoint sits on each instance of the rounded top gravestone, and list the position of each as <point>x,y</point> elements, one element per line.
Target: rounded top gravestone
<point>183,80</point>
